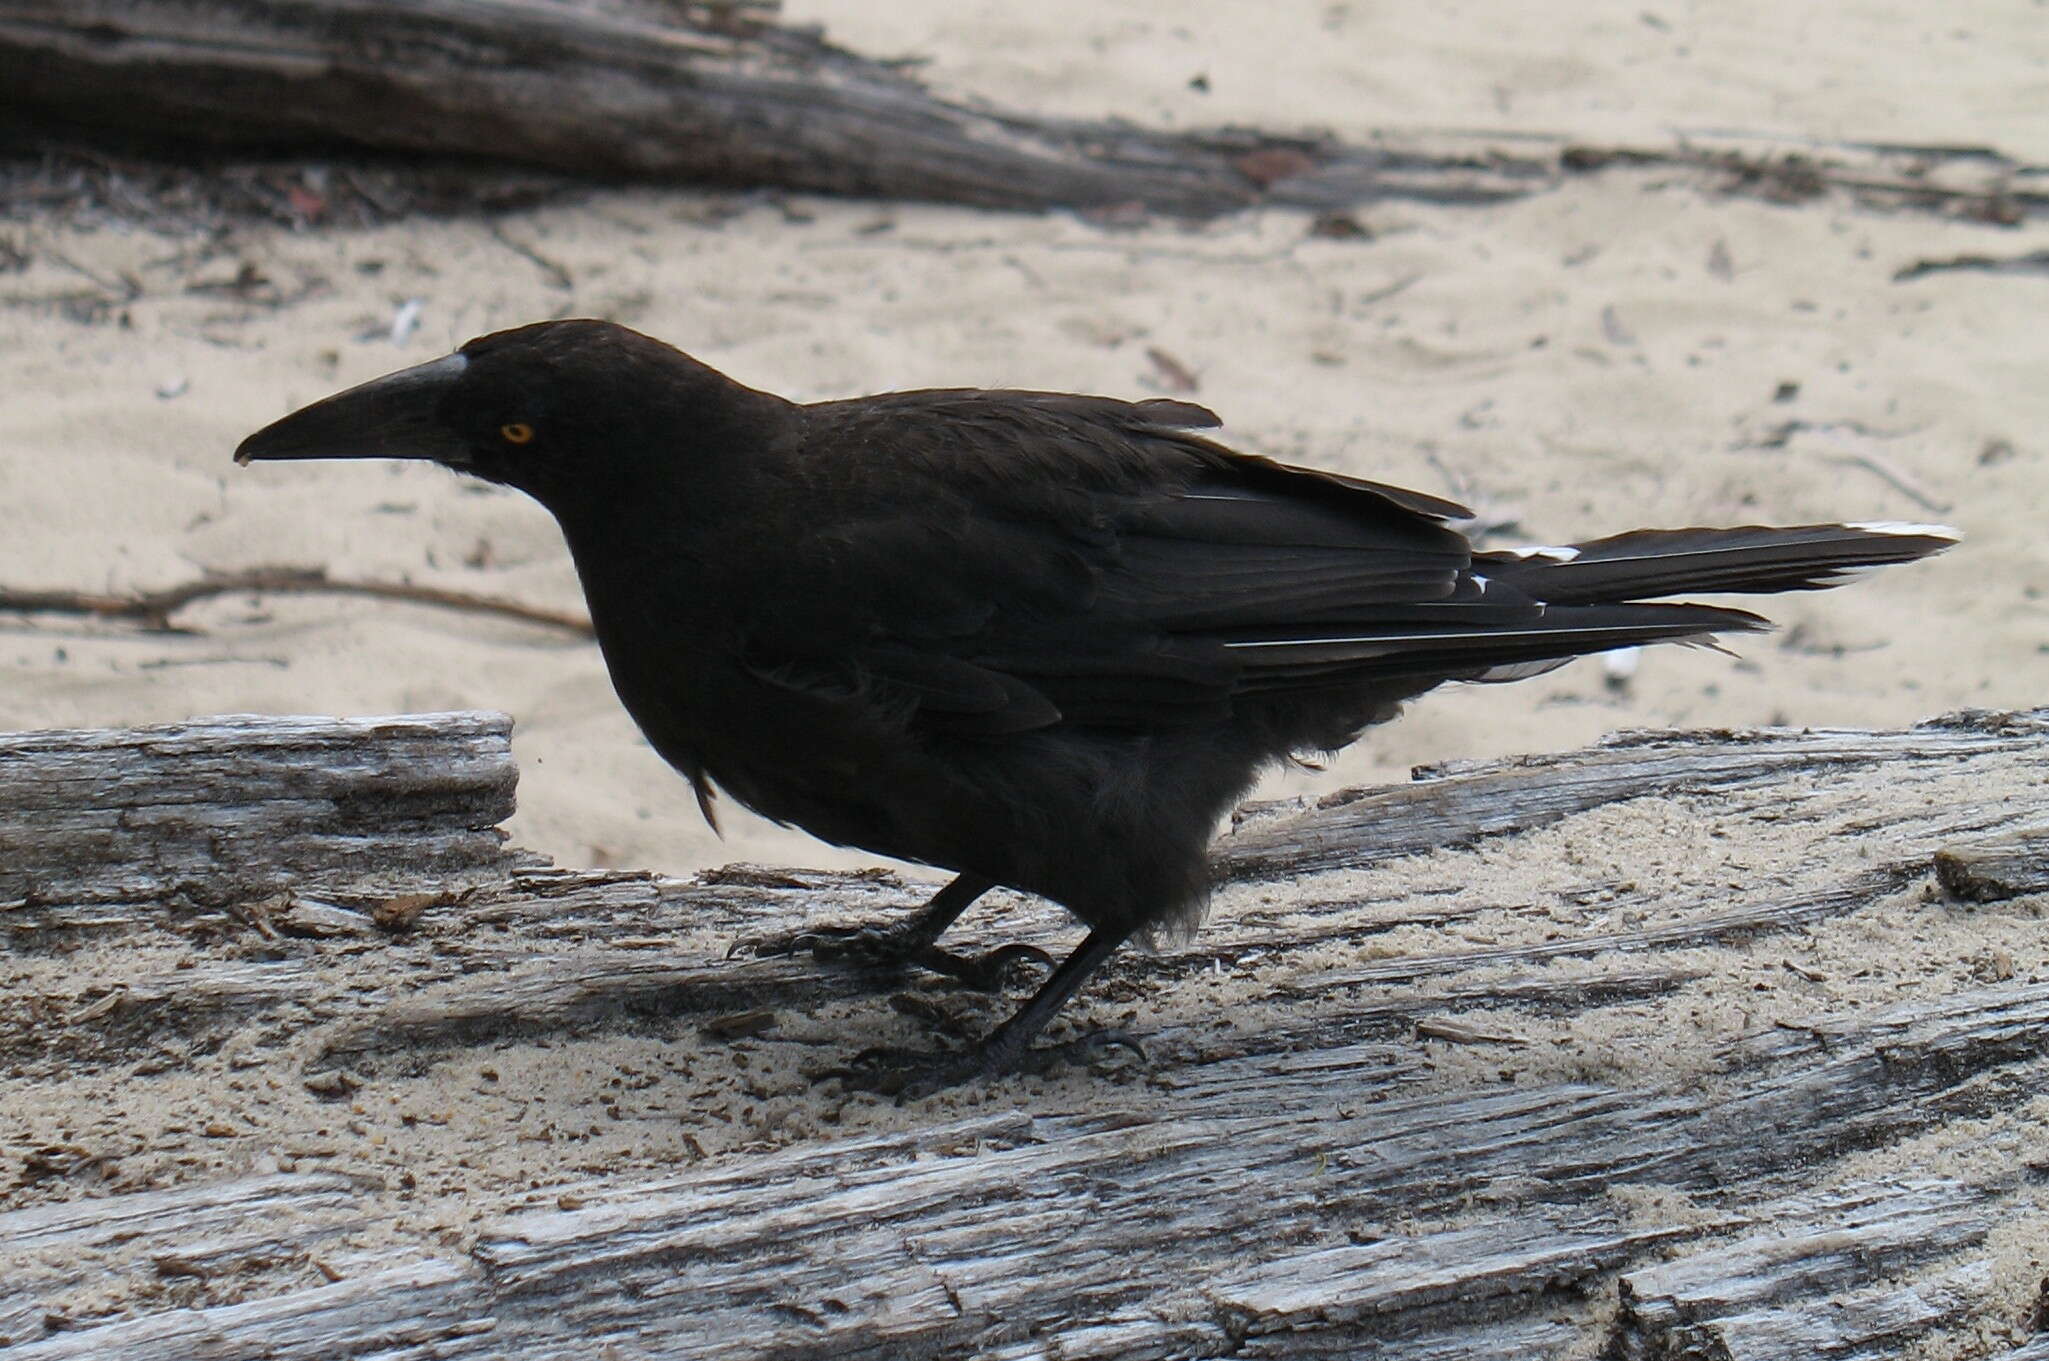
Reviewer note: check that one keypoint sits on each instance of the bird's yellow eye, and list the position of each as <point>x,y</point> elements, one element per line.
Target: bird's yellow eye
<point>516,432</point>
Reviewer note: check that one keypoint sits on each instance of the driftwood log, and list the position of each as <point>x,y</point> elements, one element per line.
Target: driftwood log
<point>231,809</point>
<point>713,93</point>
<point>1856,1169</point>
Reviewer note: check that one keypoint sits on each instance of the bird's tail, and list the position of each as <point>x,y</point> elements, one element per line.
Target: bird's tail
<point>1647,564</point>
<point>1525,611</point>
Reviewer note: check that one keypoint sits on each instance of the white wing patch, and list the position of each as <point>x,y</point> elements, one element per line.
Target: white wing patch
<point>1548,554</point>
<point>1905,530</point>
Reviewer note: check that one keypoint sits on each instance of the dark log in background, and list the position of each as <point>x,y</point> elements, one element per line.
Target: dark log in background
<point>717,94</point>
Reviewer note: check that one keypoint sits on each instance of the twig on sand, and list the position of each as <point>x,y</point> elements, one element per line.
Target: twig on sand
<point>153,609</point>
<point>1892,476</point>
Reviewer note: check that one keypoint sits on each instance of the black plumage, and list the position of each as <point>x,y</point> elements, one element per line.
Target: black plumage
<point>1038,639</point>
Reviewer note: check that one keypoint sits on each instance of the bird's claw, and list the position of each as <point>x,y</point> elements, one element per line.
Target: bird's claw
<point>989,971</point>
<point>1092,1046</point>
<point>758,947</point>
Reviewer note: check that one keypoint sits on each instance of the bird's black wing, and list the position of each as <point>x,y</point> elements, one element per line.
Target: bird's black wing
<point>995,562</point>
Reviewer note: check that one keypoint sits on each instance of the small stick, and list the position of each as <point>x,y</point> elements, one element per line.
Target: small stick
<point>153,609</point>
<point>1901,483</point>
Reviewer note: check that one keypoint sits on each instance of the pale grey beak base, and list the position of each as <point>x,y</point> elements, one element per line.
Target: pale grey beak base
<point>396,416</point>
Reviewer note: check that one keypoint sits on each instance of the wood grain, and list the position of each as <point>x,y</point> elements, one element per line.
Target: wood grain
<point>1334,1171</point>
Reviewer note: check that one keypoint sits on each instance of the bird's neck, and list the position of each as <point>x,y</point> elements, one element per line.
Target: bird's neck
<point>635,555</point>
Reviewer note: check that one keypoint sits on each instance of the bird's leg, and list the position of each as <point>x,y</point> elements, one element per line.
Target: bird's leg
<point>1012,1040</point>
<point>1007,1047</point>
<point>908,940</point>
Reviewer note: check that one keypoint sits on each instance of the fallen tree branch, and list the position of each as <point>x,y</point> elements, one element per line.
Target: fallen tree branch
<point>713,94</point>
<point>153,609</point>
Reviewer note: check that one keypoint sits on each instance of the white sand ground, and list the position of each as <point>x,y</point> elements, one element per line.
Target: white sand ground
<point>1598,358</point>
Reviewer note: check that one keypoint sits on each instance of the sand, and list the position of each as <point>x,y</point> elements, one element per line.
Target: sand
<point>1603,357</point>
<point>1623,351</point>
<point>1620,353</point>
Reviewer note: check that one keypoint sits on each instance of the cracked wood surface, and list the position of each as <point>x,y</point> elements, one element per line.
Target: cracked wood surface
<point>225,810</point>
<point>1672,1046</point>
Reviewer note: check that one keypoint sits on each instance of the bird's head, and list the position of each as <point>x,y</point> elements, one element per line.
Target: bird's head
<point>549,408</point>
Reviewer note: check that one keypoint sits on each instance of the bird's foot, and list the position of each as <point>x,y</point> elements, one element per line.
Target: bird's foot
<point>913,1075</point>
<point>882,947</point>
<point>992,970</point>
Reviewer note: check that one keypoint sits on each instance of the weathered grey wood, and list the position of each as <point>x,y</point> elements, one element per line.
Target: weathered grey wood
<point>1704,928</point>
<point>402,1311</point>
<point>1460,803</point>
<point>1802,1287</point>
<point>1869,1323</point>
<point>710,93</point>
<point>1014,1218</point>
<point>1451,1271</point>
<point>1065,1205</point>
<point>197,1231</point>
<point>157,1217</point>
<point>225,810</point>
<point>986,1230</point>
<point>1301,1180</point>
<point>1990,869</point>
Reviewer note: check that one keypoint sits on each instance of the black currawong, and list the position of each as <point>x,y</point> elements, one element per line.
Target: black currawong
<point>1037,639</point>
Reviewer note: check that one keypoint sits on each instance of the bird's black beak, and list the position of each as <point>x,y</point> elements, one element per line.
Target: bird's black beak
<point>396,416</point>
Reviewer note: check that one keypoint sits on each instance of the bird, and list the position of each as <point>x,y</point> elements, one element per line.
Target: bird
<point>1040,640</point>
